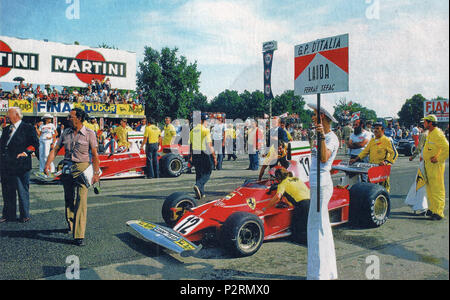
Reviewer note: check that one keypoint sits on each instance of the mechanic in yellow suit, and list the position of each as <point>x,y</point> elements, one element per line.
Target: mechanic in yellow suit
<point>203,156</point>
<point>169,132</point>
<point>121,133</point>
<point>92,124</point>
<point>435,152</point>
<point>152,139</point>
<point>292,191</point>
<point>381,151</point>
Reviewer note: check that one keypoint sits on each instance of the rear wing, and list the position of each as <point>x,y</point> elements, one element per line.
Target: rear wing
<point>375,172</point>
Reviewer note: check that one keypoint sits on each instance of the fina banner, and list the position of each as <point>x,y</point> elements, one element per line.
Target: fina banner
<point>41,62</point>
<point>43,107</point>
<point>268,50</point>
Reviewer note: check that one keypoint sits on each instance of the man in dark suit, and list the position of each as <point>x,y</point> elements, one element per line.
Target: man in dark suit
<point>16,146</point>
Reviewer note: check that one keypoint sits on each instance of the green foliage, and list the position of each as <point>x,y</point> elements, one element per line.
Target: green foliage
<point>412,111</point>
<point>170,84</point>
<point>343,111</point>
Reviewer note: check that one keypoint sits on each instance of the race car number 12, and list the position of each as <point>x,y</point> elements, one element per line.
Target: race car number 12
<point>188,224</point>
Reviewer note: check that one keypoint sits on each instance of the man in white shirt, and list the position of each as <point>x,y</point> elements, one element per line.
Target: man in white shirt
<point>415,135</point>
<point>358,139</point>
<point>47,135</point>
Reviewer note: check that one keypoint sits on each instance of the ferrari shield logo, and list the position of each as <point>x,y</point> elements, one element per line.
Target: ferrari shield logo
<point>420,180</point>
<point>251,203</point>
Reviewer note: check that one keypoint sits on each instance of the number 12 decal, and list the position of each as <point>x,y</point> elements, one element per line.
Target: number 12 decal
<point>188,224</point>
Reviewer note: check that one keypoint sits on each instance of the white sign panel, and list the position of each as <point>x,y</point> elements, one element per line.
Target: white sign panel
<point>438,108</point>
<point>4,104</point>
<point>321,66</point>
<point>40,62</point>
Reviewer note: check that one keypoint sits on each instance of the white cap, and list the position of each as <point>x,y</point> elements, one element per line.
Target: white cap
<point>326,109</point>
<point>47,116</point>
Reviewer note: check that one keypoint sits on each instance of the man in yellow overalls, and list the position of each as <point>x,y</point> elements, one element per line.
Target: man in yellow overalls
<point>201,152</point>
<point>292,191</point>
<point>381,151</point>
<point>152,139</point>
<point>169,132</point>
<point>435,152</point>
<point>121,133</point>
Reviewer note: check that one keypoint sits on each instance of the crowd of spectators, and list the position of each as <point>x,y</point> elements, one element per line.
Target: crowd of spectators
<point>95,92</point>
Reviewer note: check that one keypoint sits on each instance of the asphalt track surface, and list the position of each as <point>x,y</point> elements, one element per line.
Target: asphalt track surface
<point>406,247</point>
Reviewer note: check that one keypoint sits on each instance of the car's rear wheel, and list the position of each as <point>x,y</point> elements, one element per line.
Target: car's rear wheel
<point>171,165</point>
<point>370,205</point>
<point>242,234</point>
<point>175,206</point>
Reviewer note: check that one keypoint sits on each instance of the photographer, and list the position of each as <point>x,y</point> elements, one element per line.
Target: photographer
<point>79,143</point>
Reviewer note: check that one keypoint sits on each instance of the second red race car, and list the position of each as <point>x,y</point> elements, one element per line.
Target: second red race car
<point>236,221</point>
<point>173,161</point>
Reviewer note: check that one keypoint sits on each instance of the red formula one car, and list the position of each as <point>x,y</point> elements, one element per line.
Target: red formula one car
<point>235,220</point>
<point>173,161</point>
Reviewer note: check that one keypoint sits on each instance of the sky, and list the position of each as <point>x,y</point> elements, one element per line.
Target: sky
<point>397,48</point>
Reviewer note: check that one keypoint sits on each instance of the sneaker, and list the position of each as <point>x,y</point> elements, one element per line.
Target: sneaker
<point>198,193</point>
<point>436,217</point>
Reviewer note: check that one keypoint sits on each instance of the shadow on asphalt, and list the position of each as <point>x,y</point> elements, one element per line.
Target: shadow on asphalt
<point>43,235</point>
<point>203,270</point>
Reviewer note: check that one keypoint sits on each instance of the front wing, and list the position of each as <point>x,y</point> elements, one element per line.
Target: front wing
<point>164,237</point>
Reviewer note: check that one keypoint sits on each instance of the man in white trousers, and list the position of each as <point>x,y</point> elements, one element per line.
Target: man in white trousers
<point>321,252</point>
<point>47,136</point>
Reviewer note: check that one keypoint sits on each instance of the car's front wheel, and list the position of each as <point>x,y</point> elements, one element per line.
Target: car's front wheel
<point>175,206</point>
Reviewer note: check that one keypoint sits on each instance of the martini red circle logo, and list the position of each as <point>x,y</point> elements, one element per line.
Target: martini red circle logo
<point>4,48</point>
<point>90,55</point>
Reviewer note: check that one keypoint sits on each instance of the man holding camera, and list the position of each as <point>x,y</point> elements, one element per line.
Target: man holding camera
<point>80,143</point>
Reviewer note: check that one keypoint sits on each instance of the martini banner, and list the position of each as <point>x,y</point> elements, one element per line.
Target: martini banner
<point>41,62</point>
<point>321,66</point>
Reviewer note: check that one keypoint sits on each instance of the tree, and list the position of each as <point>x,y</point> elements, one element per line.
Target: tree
<point>230,103</point>
<point>344,110</point>
<point>170,85</point>
<point>412,111</point>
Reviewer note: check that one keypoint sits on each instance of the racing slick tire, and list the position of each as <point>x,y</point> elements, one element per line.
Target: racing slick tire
<point>175,206</point>
<point>242,234</point>
<point>171,165</point>
<point>370,205</point>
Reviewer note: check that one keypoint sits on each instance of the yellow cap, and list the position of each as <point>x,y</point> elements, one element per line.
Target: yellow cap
<point>431,118</point>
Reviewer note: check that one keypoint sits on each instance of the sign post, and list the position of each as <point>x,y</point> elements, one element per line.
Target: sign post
<point>268,48</point>
<point>321,66</point>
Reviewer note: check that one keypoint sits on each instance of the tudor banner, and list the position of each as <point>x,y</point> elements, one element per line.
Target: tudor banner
<point>321,66</point>
<point>268,50</point>
<point>41,62</point>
